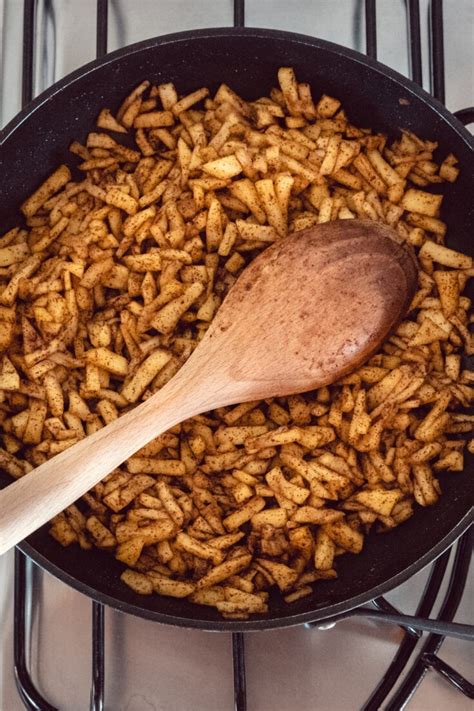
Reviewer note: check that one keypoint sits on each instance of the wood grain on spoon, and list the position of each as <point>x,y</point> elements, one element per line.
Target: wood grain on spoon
<point>309,309</point>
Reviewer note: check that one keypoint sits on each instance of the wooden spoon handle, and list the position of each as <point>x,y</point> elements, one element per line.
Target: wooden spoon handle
<point>33,500</point>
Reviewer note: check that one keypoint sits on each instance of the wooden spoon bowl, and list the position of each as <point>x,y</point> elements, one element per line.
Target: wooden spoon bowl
<point>309,309</point>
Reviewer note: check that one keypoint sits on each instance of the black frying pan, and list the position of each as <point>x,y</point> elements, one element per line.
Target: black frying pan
<point>36,141</point>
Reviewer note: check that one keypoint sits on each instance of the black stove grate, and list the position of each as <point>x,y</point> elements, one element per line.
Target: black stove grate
<point>426,659</point>
<point>382,609</point>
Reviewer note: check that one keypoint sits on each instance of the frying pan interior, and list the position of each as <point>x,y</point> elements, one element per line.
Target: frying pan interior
<point>36,142</point>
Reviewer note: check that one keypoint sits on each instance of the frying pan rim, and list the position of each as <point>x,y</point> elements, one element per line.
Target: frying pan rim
<point>462,525</point>
<point>254,32</point>
<point>261,623</point>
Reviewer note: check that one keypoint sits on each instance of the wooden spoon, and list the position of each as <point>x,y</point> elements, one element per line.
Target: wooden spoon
<point>305,312</point>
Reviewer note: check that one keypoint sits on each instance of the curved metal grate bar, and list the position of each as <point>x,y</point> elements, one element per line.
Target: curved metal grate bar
<point>408,644</point>
<point>431,661</point>
<point>466,116</point>
<point>28,692</point>
<point>448,609</point>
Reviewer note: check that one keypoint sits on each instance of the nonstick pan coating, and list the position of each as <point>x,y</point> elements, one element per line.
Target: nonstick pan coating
<point>34,143</point>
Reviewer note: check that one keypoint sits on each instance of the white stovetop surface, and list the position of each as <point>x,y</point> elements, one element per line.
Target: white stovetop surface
<point>151,667</point>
